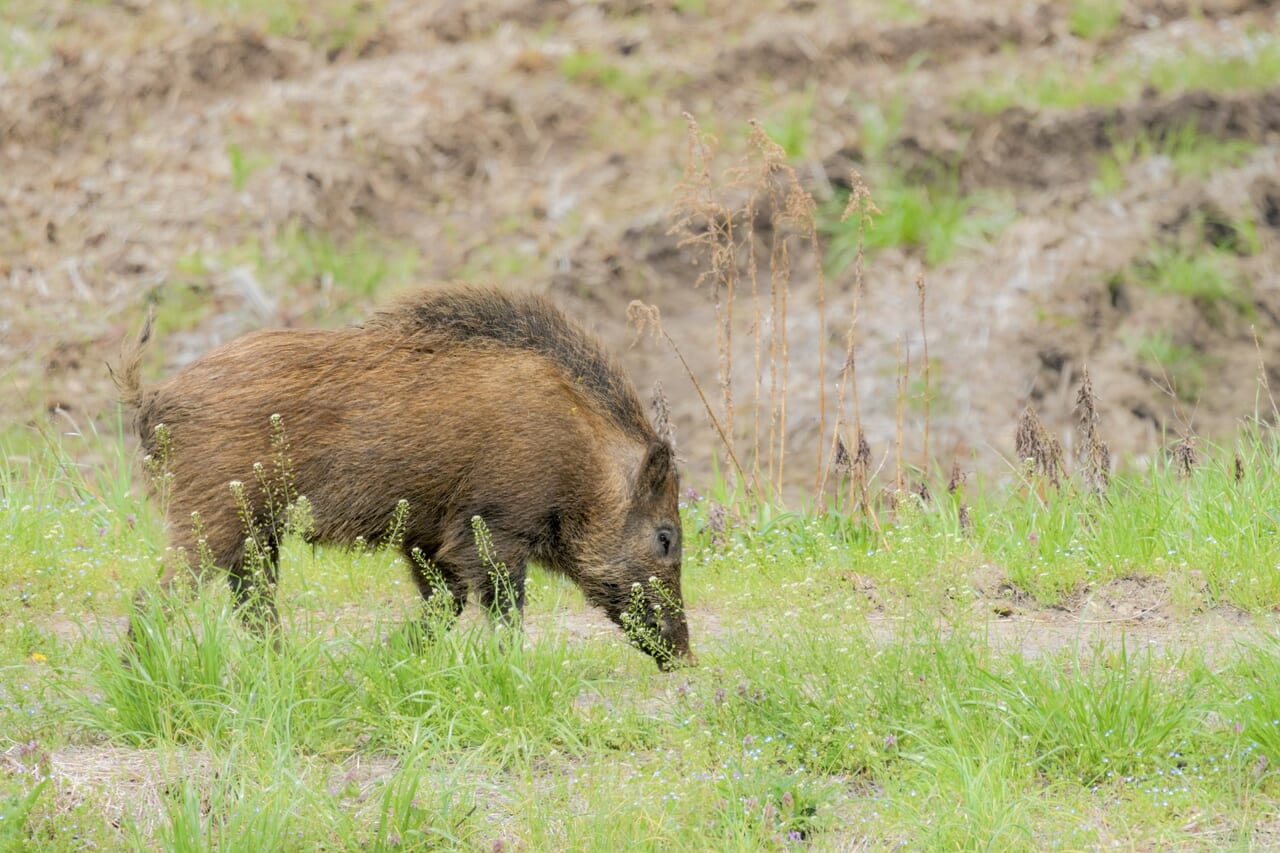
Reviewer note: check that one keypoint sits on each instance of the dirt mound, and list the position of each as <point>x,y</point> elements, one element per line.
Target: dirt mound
<point>92,93</point>
<point>1038,151</point>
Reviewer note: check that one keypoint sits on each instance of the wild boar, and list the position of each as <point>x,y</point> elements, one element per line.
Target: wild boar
<point>463,401</point>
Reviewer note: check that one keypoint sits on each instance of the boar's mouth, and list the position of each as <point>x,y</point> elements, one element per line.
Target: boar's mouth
<point>663,639</point>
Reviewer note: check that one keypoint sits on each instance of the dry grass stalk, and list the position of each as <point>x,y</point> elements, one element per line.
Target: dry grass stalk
<point>841,460</point>
<point>1093,452</point>
<point>861,206</point>
<point>717,525</point>
<point>662,422</point>
<point>899,413</point>
<point>955,484</point>
<point>924,339</point>
<point>862,462</point>
<point>642,318</point>
<point>1039,449</point>
<point>1185,455</point>
<point>727,231</point>
<point>1262,376</point>
<point>704,222</point>
<point>771,180</point>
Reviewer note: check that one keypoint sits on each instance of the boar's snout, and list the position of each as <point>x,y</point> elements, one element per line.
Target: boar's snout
<point>664,637</point>
<point>675,637</point>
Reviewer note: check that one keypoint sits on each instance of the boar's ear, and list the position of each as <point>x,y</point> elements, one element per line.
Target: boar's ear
<point>659,459</point>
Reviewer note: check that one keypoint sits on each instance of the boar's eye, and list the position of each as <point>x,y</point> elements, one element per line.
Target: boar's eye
<point>665,541</point>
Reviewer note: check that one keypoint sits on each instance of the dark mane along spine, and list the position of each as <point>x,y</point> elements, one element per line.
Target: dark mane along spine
<point>482,316</point>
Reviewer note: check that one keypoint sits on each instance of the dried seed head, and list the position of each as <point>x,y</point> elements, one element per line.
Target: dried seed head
<point>1086,401</point>
<point>1094,453</point>
<point>863,457</point>
<point>662,416</point>
<point>842,461</point>
<point>1034,444</point>
<point>717,524</point>
<point>922,489</point>
<point>642,318</point>
<point>956,480</point>
<point>1239,468</point>
<point>1185,455</point>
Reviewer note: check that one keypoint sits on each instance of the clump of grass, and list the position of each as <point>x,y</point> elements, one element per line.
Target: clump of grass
<point>1094,20</point>
<point>1110,718</point>
<point>26,30</point>
<point>1054,87</point>
<point>70,525</point>
<point>1179,367</point>
<point>1206,276</point>
<point>1118,81</point>
<point>1255,67</point>
<point>243,165</point>
<point>935,219</point>
<point>359,265</point>
<point>592,68</point>
<point>1191,152</point>
<point>794,128</point>
<point>15,806</point>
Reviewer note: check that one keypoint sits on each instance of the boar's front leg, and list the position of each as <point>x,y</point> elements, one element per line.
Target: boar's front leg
<point>490,563</point>
<point>253,585</point>
<point>432,581</point>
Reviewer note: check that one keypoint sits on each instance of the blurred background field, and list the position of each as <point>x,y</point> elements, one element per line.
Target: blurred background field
<point>1089,182</point>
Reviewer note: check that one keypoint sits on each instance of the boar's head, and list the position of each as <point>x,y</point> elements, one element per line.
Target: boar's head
<point>644,597</point>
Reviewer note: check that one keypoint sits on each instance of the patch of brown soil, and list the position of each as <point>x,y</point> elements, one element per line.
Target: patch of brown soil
<point>1043,151</point>
<point>808,43</point>
<point>458,131</point>
<point>91,93</point>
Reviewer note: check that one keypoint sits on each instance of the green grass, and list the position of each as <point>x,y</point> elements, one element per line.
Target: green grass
<point>329,274</point>
<point>935,219</point>
<point>1191,153</point>
<point>592,68</point>
<point>360,264</point>
<point>1179,366</point>
<point>822,715</point>
<point>1117,81</point>
<point>925,214</point>
<point>243,164</point>
<point>1207,276</point>
<point>25,34</point>
<point>1093,20</point>
<point>793,129</point>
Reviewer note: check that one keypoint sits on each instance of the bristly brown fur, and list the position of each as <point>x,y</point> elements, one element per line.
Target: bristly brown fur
<point>486,316</point>
<point>127,373</point>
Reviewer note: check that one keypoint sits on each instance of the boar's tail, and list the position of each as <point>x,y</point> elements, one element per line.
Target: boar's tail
<point>127,373</point>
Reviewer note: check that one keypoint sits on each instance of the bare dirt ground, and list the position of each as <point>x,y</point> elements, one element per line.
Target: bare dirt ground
<point>456,130</point>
